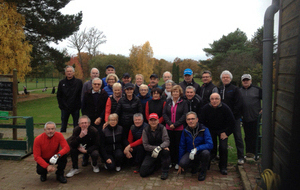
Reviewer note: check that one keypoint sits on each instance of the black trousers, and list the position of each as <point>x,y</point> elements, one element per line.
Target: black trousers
<point>174,145</point>
<point>116,158</point>
<point>150,164</point>
<point>203,157</point>
<point>237,133</point>
<point>138,155</point>
<point>65,118</point>
<point>61,165</point>
<point>76,152</point>
<point>223,151</point>
<point>250,129</point>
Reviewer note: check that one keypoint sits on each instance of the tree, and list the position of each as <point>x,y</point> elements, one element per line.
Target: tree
<point>160,66</point>
<point>14,49</point>
<point>141,60</point>
<point>44,24</point>
<point>189,63</point>
<point>75,63</point>
<point>95,38</point>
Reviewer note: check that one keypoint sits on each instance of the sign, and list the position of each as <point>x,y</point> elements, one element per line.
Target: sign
<point>6,96</point>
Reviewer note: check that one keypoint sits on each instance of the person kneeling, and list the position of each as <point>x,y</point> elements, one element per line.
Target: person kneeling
<point>84,140</point>
<point>195,145</point>
<point>156,142</point>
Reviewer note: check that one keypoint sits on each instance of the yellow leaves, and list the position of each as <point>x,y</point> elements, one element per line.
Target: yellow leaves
<point>141,60</point>
<point>14,49</point>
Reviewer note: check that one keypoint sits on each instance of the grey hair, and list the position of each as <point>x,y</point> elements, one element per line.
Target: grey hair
<point>97,79</point>
<point>49,122</point>
<point>84,116</point>
<point>96,69</point>
<point>117,85</point>
<point>168,72</point>
<point>112,75</point>
<point>190,87</point>
<point>191,112</point>
<point>207,71</point>
<point>69,66</point>
<point>226,72</point>
<point>170,81</point>
<point>138,115</point>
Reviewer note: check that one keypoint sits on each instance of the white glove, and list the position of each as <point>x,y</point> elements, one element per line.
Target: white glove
<point>84,146</point>
<point>155,152</point>
<point>53,159</point>
<point>192,154</point>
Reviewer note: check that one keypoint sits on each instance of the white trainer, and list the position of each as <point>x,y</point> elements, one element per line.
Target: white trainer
<point>72,172</point>
<point>176,167</point>
<point>95,168</point>
<point>118,168</point>
<point>241,161</point>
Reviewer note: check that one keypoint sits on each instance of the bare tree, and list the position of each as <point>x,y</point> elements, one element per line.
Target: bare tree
<point>77,41</point>
<point>95,38</point>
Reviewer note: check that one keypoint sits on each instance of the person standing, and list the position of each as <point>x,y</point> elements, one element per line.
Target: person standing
<point>189,81</point>
<point>69,98</point>
<point>207,87</point>
<point>108,70</point>
<point>232,97</point>
<point>47,153</point>
<point>194,101</point>
<point>252,96</point>
<point>88,85</point>
<point>166,76</point>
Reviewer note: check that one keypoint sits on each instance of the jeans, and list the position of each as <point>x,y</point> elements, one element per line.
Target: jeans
<point>202,157</point>
<point>76,152</point>
<point>65,118</point>
<point>223,151</point>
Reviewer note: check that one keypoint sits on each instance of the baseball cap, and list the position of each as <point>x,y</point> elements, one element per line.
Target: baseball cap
<point>126,75</point>
<point>246,76</point>
<point>129,85</point>
<point>153,116</point>
<point>110,66</point>
<point>187,72</point>
<point>154,75</point>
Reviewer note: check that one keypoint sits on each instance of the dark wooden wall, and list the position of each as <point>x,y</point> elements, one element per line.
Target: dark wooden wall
<point>286,152</point>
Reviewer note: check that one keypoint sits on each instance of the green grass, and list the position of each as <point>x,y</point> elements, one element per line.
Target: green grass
<point>39,83</point>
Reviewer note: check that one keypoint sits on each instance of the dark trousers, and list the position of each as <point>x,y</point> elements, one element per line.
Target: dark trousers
<point>203,157</point>
<point>138,155</point>
<point>65,118</point>
<point>116,158</point>
<point>61,165</point>
<point>223,151</point>
<point>150,164</point>
<point>238,139</point>
<point>76,152</point>
<point>250,129</point>
<point>174,145</point>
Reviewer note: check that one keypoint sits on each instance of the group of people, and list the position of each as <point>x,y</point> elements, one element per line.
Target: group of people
<point>149,126</point>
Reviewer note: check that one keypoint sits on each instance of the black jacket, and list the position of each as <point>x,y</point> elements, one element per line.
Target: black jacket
<point>179,119</point>
<point>251,103</point>
<point>94,109</point>
<point>195,104</point>
<point>92,139</point>
<point>69,94</point>
<point>232,96</point>
<point>206,90</point>
<point>218,119</point>
<point>184,84</point>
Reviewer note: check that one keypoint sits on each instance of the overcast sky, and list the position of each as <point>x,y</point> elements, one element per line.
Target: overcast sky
<point>173,28</point>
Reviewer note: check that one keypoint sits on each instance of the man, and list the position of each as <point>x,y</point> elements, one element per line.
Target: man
<point>232,97</point>
<point>69,98</point>
<point>166,76</point>
<point>135,149</point>
<point>84,140</point>
<point>195,145</point>
<point>189,81</point>
<point>207,87</point>
<point>218,118</point>
<point>194,101</point>
<point>47,153</point>
<point>88,85</point>
<point>252,96</point>
<point>156,142</point>
<point>125,79</point>
<point>109,70</point>
<point>154,82</point>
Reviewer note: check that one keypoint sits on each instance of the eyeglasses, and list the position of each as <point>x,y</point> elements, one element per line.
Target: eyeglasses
<point>191,119</point>
<point>96,84</point>
<point>143,89</point>
<point>83,122</point>
<point>215,99</point>
<point>110,79</point>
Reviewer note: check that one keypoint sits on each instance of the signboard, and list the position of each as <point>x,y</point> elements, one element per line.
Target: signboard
<point>6,96</point>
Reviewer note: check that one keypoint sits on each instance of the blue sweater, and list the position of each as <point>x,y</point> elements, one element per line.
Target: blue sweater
<point>199,136</point>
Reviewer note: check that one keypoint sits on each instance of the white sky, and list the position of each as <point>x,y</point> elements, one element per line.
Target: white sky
<point>173,28</point>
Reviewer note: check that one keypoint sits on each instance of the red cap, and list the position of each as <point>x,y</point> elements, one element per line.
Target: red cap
<point>153,116</point>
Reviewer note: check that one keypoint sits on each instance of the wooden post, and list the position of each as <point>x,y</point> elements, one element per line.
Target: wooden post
<point>15,95</point>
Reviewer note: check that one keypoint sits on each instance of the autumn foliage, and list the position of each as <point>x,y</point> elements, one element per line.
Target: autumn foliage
<point>78,70</point>
<point>14,49</point>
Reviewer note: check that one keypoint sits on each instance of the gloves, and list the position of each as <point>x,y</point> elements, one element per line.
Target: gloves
<point>155,152</point>
<point>84,146</point>
<point>53,159</point>
<point>192,154</point>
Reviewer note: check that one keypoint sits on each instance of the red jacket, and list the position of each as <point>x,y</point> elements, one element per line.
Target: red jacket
<point>44,148</point>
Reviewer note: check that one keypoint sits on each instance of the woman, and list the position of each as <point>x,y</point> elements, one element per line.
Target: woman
<point>156,105</point>
<point>111,79</point>
<point>113,100</point>
<point>174,116</point>
<point>127,107</point>
<point>168,87</point>
<point>113,143</point>
<point>144,96</point>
